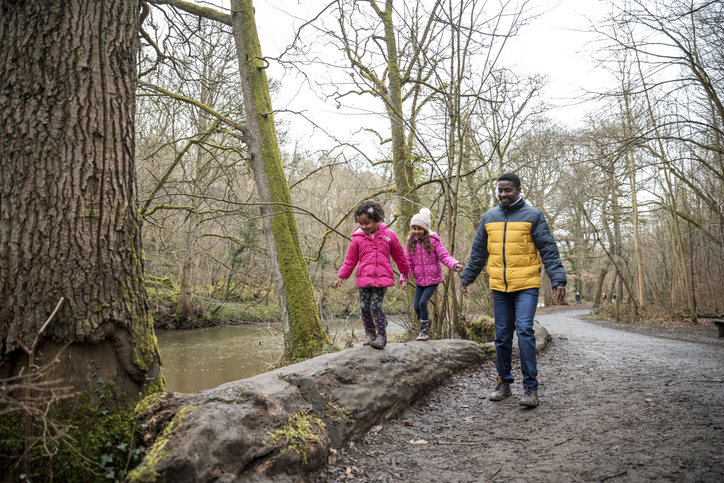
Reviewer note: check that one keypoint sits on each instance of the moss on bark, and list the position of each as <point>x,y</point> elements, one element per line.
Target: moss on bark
<point>147,472</point>
<point>299,432</point>
<point>306,336</point>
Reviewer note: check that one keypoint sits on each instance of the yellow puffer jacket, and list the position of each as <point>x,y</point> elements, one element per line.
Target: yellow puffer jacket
<point>513,241</point>
<point>513,263</point>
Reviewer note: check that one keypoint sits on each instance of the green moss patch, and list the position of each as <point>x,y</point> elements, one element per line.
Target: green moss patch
<point>148,405</point>
<point>159,450</point>
<point>332,411</point>
<point>299,432</point>
<point>480,329</point>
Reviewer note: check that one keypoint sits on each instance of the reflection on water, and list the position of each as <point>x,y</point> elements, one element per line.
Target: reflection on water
<point>198,359</point>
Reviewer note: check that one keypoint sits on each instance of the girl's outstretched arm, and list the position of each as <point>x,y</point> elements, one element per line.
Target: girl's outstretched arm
<point>350,261</point>
<point>445,258</point>
<point>398,255</point>
<point>405,277</point>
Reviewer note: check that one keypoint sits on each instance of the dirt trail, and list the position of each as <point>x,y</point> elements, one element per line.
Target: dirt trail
<point>617,403</point>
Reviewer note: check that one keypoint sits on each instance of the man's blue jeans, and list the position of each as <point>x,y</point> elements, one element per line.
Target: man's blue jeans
<point>515,311</point>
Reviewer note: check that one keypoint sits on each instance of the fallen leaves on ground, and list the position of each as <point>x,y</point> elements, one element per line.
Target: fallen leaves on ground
<point>417,441</point>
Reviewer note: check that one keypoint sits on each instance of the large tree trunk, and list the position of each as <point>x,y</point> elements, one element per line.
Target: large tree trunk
<point>304,336</point>
<point>68,221</point>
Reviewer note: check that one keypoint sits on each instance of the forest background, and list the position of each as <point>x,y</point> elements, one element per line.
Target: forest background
<point>143,181</point>
<point>633,192</point>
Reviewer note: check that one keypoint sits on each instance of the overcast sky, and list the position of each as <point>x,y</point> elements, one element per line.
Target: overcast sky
<point>560,44</point>
<point>556,44</point>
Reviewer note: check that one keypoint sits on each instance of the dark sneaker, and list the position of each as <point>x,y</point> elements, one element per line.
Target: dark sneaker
<point>530,398</point>
<point>502,390</point>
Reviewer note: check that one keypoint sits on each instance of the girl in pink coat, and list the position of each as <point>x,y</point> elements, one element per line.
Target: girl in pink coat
<point>424,252</point>
<point>372,246</point>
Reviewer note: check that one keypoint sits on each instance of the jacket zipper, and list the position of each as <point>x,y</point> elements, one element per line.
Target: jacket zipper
<point>377,253</point>
<point>505,263</point>
<point>375,250</point>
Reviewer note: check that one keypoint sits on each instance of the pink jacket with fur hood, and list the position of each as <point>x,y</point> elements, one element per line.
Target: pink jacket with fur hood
<point>426,266</point>
<point>373,255</point>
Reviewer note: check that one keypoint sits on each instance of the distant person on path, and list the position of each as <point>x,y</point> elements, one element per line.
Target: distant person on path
<point>614,297</point>
<point>513,238</point>
<point>425,252</point>
<point>372,246</point>
<point>578,298</point>
<point>604,297</point>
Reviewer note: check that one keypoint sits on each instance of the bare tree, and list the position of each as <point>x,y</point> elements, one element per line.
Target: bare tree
<point>672,49</point>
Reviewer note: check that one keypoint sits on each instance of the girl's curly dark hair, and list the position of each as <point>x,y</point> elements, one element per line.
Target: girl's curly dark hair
<point>372,209</point>
<point>411,242</point>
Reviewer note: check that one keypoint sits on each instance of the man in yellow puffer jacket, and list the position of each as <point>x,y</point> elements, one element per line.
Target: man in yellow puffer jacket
<point>513,239</point>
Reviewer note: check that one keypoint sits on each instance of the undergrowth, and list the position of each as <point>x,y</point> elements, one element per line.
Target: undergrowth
<point>101,444</point>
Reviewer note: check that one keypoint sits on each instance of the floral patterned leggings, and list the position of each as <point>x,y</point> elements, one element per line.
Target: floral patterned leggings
<point>370,299</point>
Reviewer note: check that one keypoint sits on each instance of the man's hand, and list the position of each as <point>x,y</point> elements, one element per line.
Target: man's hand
<point>464,289</point>
<point>338,283</point>
<point>559,293</point>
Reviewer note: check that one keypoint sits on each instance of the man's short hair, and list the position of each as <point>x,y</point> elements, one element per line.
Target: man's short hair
<point>512,177</point>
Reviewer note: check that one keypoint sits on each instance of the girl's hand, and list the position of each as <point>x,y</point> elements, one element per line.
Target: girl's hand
<point>338,283</point>
<point>404,285</point>
<point>458,268</point>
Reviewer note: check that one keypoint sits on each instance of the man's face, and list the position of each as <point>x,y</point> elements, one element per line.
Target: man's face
<point>507,193</point>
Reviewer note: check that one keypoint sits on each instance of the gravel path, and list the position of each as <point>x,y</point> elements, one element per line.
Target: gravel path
<point>617,403</point>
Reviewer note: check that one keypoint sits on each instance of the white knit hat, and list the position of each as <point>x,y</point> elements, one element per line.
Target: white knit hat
<point>422,219</point>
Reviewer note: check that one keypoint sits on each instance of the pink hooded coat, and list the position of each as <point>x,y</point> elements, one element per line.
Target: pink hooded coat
<point>373,255</point>
<point>426,266</point>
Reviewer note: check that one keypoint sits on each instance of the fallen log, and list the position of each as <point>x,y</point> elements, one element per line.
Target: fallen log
<point>278,425</point>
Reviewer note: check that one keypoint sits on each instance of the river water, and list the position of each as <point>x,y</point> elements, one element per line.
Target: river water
<point>198,359</point>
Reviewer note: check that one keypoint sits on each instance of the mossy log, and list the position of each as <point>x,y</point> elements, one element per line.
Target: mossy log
<point>279,425</point>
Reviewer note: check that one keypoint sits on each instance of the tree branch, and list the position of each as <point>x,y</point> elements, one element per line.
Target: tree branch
<point>193,9</point>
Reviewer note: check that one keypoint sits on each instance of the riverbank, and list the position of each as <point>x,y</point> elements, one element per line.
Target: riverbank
<point>203,358</point>
<point>209,312</point>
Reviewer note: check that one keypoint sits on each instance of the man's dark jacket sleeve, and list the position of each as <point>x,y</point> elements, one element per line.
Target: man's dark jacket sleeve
<point>546,245</point>
<point>478,256</point>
